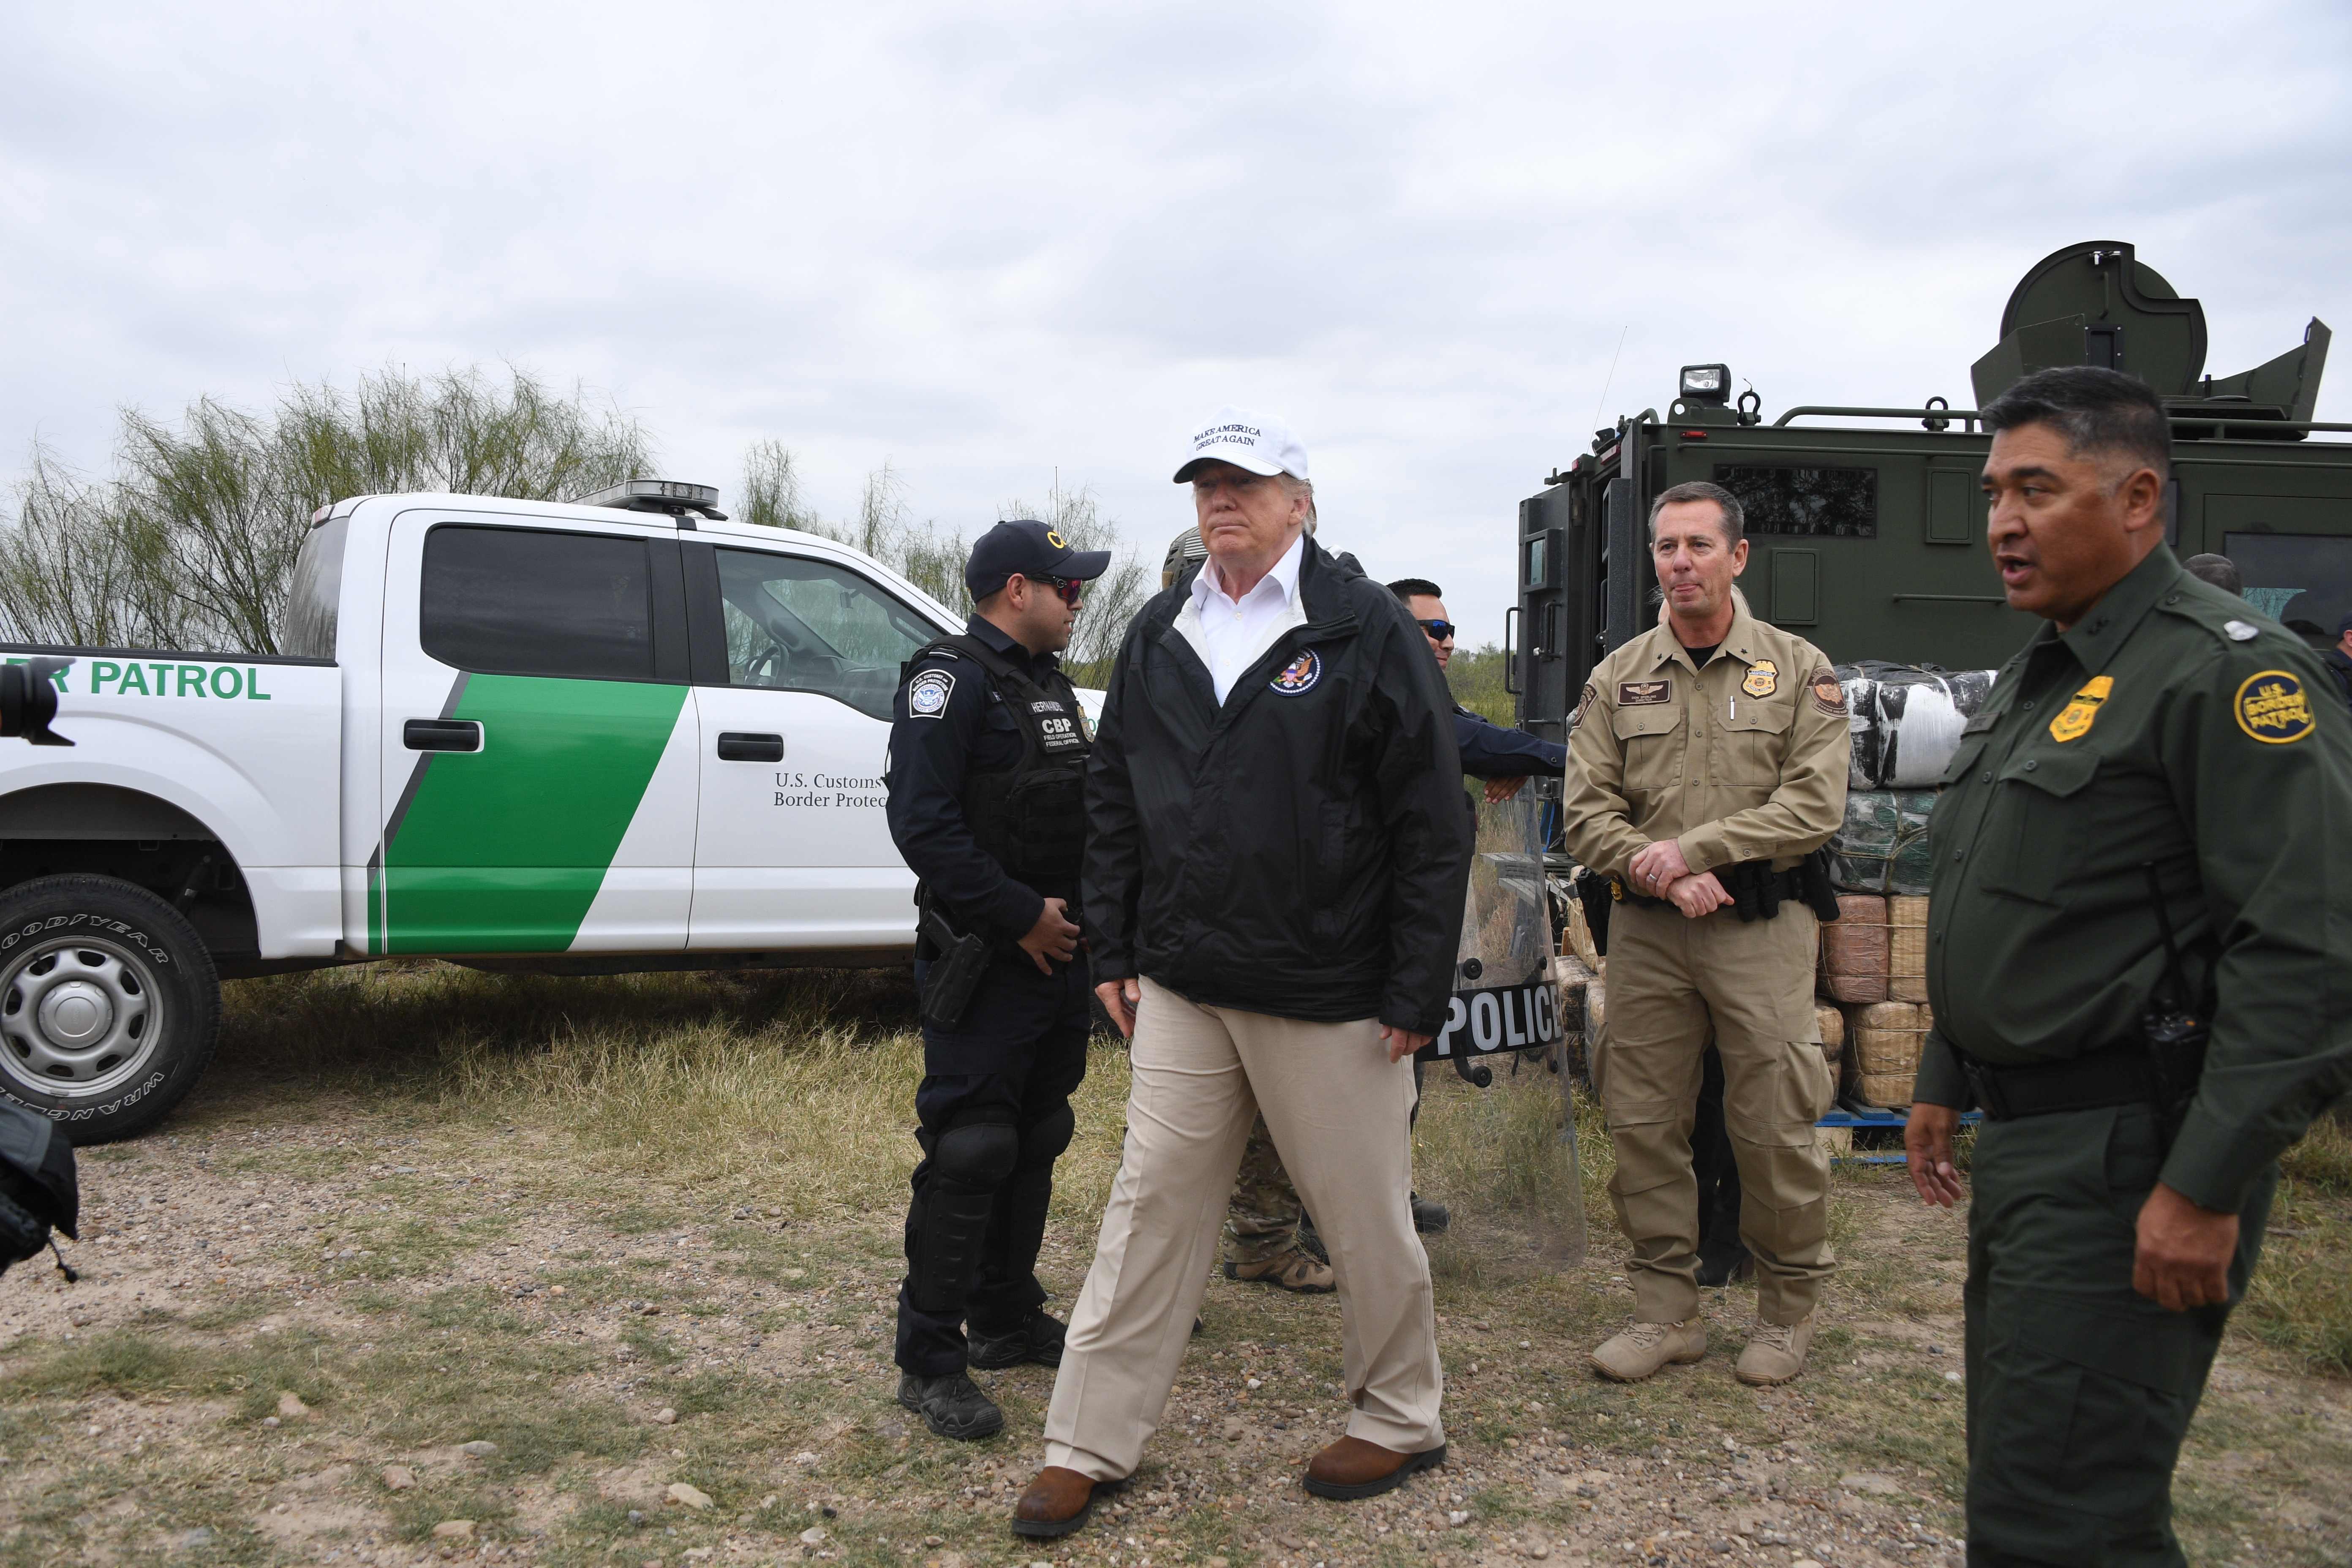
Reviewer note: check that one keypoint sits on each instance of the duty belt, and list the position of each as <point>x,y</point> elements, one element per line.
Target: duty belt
<point>2114,1075</point>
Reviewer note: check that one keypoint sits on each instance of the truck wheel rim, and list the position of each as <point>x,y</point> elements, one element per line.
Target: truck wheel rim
<point>78,1017</point>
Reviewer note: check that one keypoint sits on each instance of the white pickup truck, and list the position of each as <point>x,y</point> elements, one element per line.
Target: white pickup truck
<point>591,739</point>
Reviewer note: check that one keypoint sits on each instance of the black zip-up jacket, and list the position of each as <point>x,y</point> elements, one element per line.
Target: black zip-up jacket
<point>1303,850</point>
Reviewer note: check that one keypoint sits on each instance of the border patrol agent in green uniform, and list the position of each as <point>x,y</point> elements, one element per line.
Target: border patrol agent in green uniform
<point>2156,772</point>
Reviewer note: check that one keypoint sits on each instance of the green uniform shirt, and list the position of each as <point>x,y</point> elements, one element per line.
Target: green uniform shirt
<point>2172,724</point>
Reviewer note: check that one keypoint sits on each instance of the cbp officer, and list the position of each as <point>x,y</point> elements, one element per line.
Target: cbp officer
<point>1709,758</point>
<point>988,748</point>
<point>2157,769</point>
<point>1504,757</point>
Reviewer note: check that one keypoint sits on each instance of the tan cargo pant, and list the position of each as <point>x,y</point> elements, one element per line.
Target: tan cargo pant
<point>1336,1107</point>
<point>1670,979</point>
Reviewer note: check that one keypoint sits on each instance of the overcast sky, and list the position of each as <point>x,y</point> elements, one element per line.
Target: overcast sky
<point>990,243</point>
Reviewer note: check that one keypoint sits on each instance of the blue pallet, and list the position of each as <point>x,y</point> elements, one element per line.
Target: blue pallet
<point>1886,1119</point>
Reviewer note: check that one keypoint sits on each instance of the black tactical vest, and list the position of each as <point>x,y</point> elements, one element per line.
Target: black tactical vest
<point>1029,818</point>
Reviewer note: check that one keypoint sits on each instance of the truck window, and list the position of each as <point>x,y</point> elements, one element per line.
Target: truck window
<point>515,601</point>
<point>800,625</point>
<point>2302,581</point>
<point>314,598</point>
<point>1810,502</point>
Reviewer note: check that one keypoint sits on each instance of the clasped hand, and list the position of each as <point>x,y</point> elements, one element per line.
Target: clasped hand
<point>1659,871</point>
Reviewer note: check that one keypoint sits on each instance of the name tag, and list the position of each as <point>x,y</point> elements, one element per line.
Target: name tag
<point>1979,724</point>
<point>1643,694</point>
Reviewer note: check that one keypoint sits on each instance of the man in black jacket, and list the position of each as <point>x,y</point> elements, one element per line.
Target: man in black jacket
<point>1277,855</point>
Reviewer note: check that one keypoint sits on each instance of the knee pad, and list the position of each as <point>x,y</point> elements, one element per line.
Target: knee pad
<point>977,1154</point>
<point>1043,1141</point>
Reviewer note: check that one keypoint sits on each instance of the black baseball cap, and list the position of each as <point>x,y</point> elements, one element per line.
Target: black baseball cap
<point>1032,549</point>
<point>2344,625</point>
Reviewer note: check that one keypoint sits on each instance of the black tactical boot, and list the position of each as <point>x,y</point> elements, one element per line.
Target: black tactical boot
<point>1430,1218</point>
<point>951,1406</point>
<point>1038,1340</point>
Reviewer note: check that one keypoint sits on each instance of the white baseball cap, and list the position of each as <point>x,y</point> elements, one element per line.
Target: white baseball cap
<point>1258,442</point>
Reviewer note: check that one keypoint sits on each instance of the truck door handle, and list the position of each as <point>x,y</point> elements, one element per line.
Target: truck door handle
<point>442,735</point>
<point>737,746</point>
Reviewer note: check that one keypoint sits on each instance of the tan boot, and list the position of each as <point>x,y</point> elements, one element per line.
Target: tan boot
<point>1292,1270</point>
<point>1643,1348</point>
<point>1775,1353</point>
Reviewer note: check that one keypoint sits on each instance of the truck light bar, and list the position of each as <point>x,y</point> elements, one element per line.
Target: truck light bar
<point>673,498</point>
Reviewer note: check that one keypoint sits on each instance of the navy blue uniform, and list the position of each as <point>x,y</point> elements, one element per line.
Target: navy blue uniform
<point>1491,750</point>
<point>994,1105</point>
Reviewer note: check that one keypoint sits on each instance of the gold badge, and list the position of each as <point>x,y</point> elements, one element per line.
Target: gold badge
<point>2073,720</point>
<point>1763,679</point>
<point>2274,708</point>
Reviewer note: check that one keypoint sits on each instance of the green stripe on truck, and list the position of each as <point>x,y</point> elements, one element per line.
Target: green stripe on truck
<point>502,850</point>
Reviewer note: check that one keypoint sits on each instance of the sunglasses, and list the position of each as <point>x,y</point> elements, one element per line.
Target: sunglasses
<point>1439,631</point>
<point>1072,589</point>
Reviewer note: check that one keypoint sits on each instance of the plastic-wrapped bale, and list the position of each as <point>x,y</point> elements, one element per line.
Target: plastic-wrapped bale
<point>1906,948</point>
<point>1887,1037</point>
<point>1883,845</point>
<point>1905,720</point>
<point>1854,949</point>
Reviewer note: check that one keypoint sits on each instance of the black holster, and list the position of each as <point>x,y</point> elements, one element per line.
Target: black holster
<point>1596,892</point>
<point>1815,887</point>
<point>955,973</point>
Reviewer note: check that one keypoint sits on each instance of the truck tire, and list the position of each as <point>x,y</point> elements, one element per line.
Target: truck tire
<point>109,1004</point>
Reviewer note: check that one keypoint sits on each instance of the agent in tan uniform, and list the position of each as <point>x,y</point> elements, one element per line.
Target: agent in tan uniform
<point>1710,750</point>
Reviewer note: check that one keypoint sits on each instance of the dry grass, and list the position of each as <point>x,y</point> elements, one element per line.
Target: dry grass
<point>732,1153</point>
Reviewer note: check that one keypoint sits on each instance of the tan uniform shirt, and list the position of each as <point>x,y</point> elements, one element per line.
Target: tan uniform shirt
<point>1745,760</point>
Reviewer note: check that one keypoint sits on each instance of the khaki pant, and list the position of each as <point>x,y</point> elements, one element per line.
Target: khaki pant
<point>1337,1109</point>
<point>1669,980</point>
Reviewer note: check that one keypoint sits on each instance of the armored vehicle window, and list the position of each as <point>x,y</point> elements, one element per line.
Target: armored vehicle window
<point>2303,581</point>
<point>1812,502</point>
<point>514,600</point>
<point>800,625</point>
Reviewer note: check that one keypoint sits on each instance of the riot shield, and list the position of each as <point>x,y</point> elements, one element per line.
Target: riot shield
<point>1504,1030</point>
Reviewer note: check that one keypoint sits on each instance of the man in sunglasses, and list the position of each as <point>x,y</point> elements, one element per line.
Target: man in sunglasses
<point>986,774</point>
<point>1505,758</point>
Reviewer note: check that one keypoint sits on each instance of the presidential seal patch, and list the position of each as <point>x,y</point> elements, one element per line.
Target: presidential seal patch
<point>1299,674</point>
<point>927,693</point>
<point>1643,694</point>
<point>2274,708</point>
<point>1829,693</point>
<point>2073,720</point>
<point>1763,679</point>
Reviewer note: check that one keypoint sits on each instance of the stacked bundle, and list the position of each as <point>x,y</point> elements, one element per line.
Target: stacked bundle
<point>1886,1041</point>
<point>1905,723</point>
<point>1854,949</point>
<point>1875,965</point>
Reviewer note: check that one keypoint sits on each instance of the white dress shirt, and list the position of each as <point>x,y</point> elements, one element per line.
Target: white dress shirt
<point>1230,635</point>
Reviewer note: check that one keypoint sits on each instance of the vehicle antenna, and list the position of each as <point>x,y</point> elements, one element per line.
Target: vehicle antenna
<point>1603,401</point>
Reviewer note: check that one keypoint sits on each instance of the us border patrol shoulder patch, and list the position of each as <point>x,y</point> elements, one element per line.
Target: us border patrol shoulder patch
<point>2274,708</point>
<point>928,694</point>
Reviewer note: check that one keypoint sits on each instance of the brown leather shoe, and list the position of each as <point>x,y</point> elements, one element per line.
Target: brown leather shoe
<point>1056,1502</point>
<point>1351,1468</point>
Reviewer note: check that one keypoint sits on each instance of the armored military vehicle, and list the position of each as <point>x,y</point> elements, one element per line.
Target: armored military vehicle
<point>1866,526</point>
